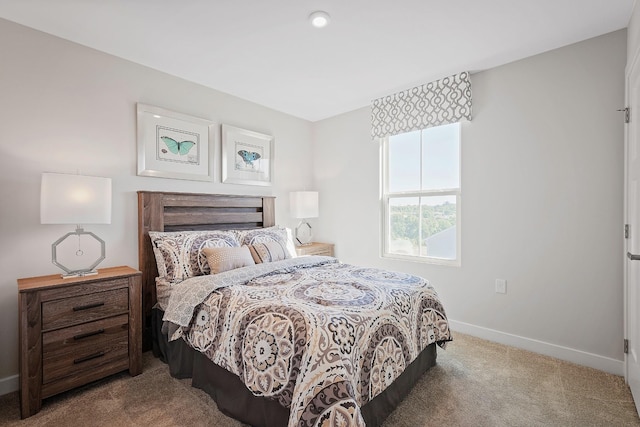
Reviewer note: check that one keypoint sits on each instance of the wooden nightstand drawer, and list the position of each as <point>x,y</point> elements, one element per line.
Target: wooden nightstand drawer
<point>84,308</point>
<point>84,376</point>
<point>70,350</point>
<point>315,248</point>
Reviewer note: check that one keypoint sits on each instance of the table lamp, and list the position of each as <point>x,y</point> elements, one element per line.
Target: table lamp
<point>304,204</point>
<point>75,199</point>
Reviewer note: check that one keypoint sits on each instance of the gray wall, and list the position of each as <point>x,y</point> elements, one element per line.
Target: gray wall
<point>64,108</point>
<point>542,196</point>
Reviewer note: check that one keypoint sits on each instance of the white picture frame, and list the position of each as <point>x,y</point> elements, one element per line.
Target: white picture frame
<point>174,145</point>
<point>247,156</point>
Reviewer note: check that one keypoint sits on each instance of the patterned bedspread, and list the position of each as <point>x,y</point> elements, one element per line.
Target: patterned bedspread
<point>323,338</point>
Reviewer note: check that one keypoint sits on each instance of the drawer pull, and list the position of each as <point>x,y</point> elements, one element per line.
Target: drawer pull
<point>88,334</point>
<point>89,357</point>
<point>88,306</point>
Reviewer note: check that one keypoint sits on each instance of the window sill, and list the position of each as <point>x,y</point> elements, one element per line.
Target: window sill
<point>424,260</point>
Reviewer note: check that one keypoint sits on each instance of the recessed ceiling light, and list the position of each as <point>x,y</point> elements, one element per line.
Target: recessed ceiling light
<point>319,19</point>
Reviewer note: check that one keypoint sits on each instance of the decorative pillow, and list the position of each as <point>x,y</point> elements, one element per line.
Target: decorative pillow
<point>223,259</point>
<point>276,233</point>
<point>179,254</point>
<point>268,252</point>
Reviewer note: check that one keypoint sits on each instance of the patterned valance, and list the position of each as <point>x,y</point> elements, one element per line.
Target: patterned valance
<point>444,101</point>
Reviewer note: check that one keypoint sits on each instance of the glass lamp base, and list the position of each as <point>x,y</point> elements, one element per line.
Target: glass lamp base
<point>91,270</point>
<point>73,274</point>
<point>303,233</point>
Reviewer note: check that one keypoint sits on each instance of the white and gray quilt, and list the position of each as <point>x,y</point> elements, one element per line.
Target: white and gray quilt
<point>323,338</point>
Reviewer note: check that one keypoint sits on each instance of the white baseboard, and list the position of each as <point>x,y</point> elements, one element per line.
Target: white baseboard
<point>579,357</point>
<point>9,384</point>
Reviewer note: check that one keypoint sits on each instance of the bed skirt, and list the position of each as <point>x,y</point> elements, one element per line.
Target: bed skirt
<point>235,400</point>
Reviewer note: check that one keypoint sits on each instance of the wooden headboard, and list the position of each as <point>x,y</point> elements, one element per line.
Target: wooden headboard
<point>161,211</point>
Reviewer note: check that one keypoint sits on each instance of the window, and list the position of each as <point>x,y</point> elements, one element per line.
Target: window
<point>421,195</point>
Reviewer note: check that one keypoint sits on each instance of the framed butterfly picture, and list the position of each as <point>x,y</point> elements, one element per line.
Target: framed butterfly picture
<point>174,145</point>
<point>247,156</point>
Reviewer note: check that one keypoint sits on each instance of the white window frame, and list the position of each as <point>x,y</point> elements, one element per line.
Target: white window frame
<point>386,196</point>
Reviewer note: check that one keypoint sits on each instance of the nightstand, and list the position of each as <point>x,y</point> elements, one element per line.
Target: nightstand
<point>315,248</point>
<point>77,330</point>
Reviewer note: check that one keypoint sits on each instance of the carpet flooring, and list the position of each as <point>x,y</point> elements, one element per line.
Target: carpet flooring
<point>475,383</point>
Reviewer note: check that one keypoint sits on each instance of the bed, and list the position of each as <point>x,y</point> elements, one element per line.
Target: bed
<point>292,341</point>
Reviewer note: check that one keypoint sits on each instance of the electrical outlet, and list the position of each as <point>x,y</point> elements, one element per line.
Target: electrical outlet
<point>501,286</point>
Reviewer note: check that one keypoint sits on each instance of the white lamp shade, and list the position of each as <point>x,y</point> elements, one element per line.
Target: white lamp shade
<point>304,204</point>
<point>75,199</point>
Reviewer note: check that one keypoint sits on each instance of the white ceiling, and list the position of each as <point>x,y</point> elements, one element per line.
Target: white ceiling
<point>266,51</point>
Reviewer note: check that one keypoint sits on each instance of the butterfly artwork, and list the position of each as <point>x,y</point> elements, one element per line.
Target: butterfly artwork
<point>248,157</point>
<point>181,148</point>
